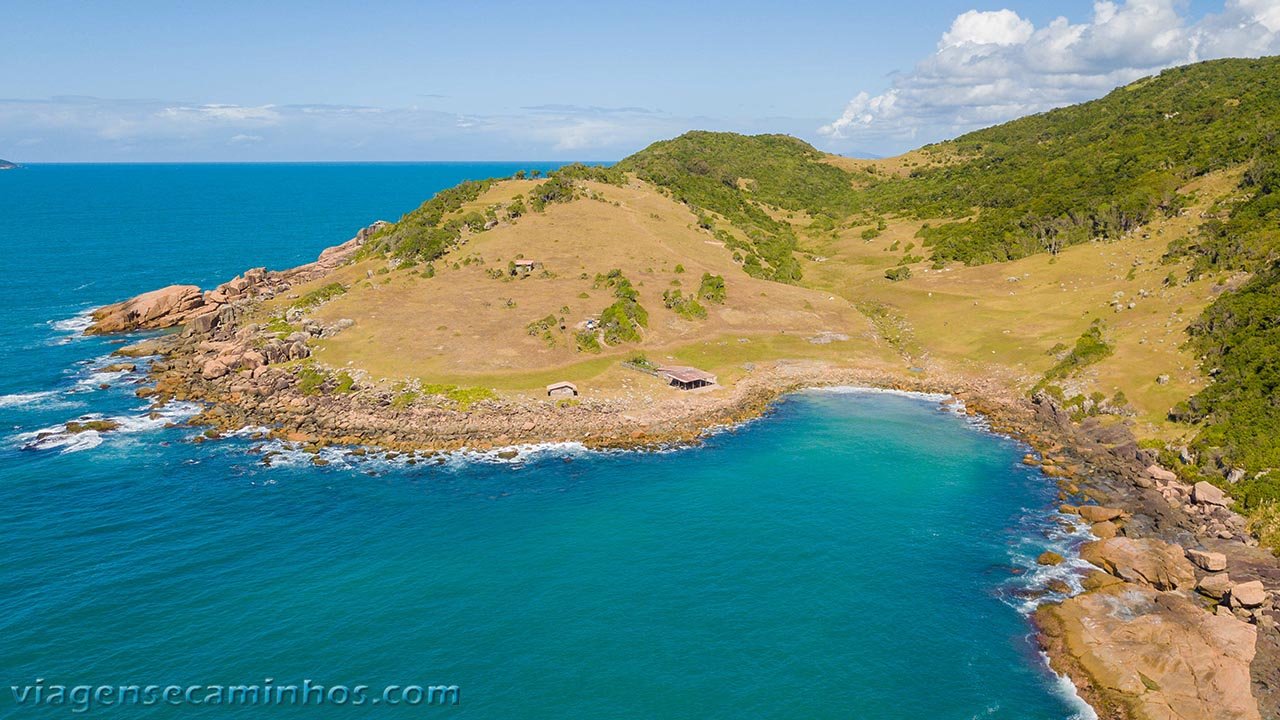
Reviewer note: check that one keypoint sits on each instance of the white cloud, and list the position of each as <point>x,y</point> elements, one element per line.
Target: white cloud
<point>1002,27</point>
<point>994,66</point>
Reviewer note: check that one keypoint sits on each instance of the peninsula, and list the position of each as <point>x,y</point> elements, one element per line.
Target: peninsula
<point>6,165</point>
<point>1101,280</point>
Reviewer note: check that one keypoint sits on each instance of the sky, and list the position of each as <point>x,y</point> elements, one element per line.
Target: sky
<point>145,81</point>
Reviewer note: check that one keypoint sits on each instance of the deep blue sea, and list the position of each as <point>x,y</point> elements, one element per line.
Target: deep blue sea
<point>851,555</point>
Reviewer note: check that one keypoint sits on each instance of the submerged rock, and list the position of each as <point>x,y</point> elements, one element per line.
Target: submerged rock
<point>1049,557</point>
<point>79,426</point>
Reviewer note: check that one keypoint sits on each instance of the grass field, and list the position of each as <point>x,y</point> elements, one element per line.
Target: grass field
<point>469,323</point>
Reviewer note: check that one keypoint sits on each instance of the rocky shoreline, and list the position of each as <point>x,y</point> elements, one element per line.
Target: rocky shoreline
<point>1176,622</point>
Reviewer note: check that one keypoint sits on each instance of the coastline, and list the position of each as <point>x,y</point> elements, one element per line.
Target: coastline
<point>245,376</point>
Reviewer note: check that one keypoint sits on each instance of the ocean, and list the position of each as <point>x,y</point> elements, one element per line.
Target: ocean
<point>850,555</point>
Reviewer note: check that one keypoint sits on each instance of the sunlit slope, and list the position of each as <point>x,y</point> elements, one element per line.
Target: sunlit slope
<point>475,322</point>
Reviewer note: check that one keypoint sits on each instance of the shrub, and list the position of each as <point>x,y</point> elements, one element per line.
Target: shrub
<point>345,383</point>
<point>1090,348</point>
<point>712,289</point>
<point>320,295</point>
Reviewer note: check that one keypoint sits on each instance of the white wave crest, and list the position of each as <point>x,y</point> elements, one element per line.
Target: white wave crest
<point>71,328</point>
<point>1065,689</point>
<point>58,436</point>
<point>23,399</point>
<point>280,453</point>
<point>864,390</point>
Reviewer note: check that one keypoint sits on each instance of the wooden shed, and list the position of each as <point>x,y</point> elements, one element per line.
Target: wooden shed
<point>686,378</point>
<point>562,389</point>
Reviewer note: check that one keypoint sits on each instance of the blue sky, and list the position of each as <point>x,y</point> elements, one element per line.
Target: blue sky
<point>155,81</point>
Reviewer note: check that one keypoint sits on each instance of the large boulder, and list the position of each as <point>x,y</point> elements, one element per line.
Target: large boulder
<point>1209,561</point>
<point>213,370</point>
<point>1215,586</point>
<point>1162,474</point>
<point>1104,530</point>
<point>1205,494</point>
<point>1248,594</point>
<point>166,307</point>
<point>1138,653</point>
<point>1097,513</point>
<point>1145,561</point>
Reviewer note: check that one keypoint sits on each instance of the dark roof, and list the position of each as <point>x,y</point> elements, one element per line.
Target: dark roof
<point>685,374</point>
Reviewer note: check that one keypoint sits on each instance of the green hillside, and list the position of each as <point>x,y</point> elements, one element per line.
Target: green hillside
<point>1095,170</point>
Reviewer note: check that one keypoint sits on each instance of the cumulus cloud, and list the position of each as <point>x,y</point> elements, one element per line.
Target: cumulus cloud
<point>994,66</point>
<point>1002,27</point>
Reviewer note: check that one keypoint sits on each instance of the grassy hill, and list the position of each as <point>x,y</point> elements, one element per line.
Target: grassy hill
<point>1119,254</point>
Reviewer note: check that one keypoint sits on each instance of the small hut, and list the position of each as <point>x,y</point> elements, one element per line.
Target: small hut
<point>562,389</point>
<point>686,378</point>
<point>524,267</point>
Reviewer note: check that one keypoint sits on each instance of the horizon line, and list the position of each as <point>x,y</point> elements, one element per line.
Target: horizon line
<point>31,163</point>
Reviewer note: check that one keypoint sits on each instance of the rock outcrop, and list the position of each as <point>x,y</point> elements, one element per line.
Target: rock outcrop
<point>166,307</point>
<point>1135,652</point>
<point>1143,561</point>
<point>187,305</point>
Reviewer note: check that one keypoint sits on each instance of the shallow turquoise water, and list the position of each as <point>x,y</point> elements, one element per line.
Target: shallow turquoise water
<point>849,556</point>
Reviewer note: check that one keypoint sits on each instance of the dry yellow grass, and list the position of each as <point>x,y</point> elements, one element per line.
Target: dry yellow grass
<point>1010,315</point>
<point>467,324</point>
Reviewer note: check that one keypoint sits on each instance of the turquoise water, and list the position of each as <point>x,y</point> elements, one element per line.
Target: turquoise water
<point>851,555</point>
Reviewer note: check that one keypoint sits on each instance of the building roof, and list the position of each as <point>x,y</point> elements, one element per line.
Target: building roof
<point>685,374</point>
<point>562,384</point>
<point>526,262</point>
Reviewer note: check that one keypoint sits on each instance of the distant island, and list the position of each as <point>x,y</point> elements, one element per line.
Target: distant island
<point>6,165</point>
<point>1101,280</point>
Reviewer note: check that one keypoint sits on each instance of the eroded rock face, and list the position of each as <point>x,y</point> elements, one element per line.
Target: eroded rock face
<point>150,310</point>
<point>1143,561</point>
<point>1143,654</point>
